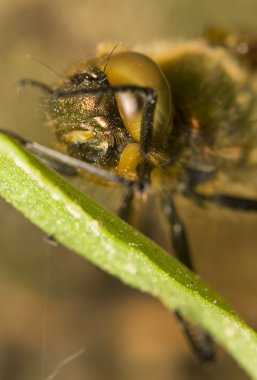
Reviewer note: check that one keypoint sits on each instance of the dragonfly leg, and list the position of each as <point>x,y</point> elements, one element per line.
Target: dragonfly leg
<point>199,339</point>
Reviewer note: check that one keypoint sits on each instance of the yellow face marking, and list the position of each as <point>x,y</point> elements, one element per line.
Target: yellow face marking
<point>129,160</point>
<point>79,136</point>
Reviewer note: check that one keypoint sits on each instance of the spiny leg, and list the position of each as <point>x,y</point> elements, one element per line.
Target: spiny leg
<point>197,176</point>
<point>55,158</point>
<point>59,167</point>
<point>200,339</point>
<point>179,238</point>
<point>140,186</point>
<point>125,210</point>
<point>34,83</point>
<point>228,201</point>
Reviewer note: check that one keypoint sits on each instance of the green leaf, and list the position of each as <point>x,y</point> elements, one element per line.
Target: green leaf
<point>79,223</point>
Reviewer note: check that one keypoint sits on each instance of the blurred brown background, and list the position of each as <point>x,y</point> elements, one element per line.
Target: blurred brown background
<point>53,303</point>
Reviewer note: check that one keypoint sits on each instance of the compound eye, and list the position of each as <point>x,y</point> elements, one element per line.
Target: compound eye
<point>131,68</point>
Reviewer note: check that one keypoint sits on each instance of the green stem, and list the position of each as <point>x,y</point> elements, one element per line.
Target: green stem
<point>79,223</point>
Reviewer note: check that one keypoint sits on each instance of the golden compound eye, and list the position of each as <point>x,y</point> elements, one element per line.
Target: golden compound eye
<point>132,68</point>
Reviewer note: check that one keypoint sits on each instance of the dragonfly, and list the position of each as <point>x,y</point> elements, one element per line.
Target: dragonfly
<point>177,118</point>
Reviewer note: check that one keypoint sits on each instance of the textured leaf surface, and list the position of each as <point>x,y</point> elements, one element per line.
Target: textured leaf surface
<point>79,223</point>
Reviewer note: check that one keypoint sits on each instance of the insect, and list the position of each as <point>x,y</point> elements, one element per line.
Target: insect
<point>179,120</point>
